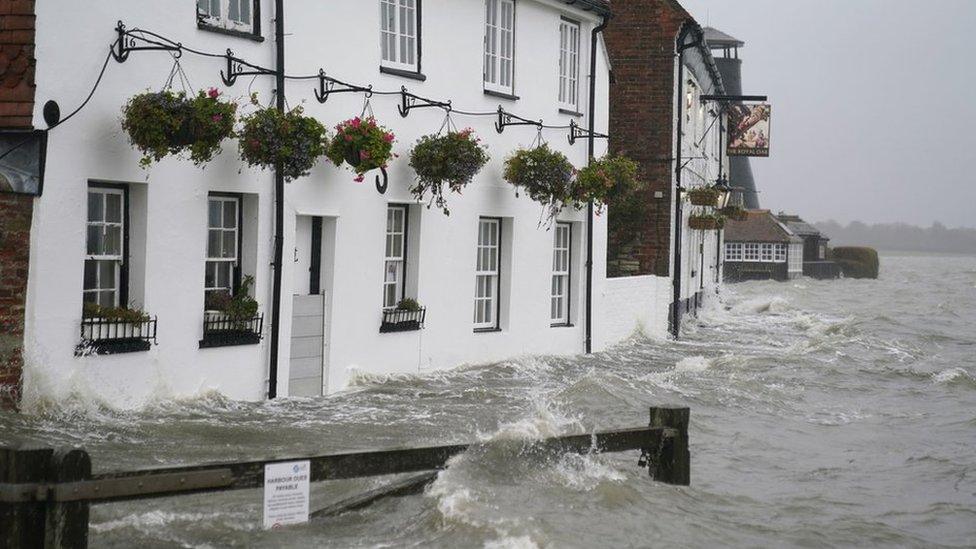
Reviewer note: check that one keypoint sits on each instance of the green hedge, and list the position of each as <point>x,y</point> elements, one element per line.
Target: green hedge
<point>857,262</point>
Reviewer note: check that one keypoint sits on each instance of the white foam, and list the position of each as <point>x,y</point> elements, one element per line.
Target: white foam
<point>693,364</point>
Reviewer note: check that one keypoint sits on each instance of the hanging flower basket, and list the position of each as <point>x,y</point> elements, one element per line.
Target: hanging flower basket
<point>706,222</point>
<point>544,174</point>
<point>293,139</point>
<point>363,144</point>
<point>703,196</point>
<point>167,123</point>
<point>736,213</point>
<point>446,162</point>
<point>605,179</point>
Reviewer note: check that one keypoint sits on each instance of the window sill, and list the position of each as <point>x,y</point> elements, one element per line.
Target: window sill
<point>229,338</point>
<point>486,330</point>
<point>502,95</point>
<point>112,347</point>
<point>230,32</point>
<point>412,75</point>
<point>570,112</point>
<point>562,325</point>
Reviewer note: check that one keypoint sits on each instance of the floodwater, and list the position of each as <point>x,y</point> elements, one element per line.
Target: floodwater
<point>838,413</point>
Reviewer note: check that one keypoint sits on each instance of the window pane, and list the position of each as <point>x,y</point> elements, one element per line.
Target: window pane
<point>113,241</point>
<point>91,276</point>
<point>230,244</point>
<point>213,218</point>
<point>113,208</point>
<point>106,274</point>
<point>230,215</point>
<point>95,240</point>
<point>106,299</point>
<point>95,207</point>
<point>213,243</point>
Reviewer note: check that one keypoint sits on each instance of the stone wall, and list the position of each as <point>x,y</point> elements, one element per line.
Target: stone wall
<point>16,111</point>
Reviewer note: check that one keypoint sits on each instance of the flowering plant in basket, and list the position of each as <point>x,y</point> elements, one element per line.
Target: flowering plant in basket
<point>166,122</point>
<point>605,179</point>
<point>545,174</point>
<point>449,160</point>
<point>703,196</point>
<point>706,222</point>
<point>736,213</point>
<point>363,144</point>
<point>293,139</point>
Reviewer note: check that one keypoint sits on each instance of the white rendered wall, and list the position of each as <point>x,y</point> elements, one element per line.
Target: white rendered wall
<point>341,37</point>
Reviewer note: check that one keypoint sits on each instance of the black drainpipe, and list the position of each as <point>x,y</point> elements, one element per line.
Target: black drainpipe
<point>676,304</point>
<point>279,204</point>
<point>590,145</point>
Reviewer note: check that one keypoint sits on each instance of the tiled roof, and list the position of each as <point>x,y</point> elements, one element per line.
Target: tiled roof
<point>759,226</point>
<point>715,37</point>
<point>797,225</point>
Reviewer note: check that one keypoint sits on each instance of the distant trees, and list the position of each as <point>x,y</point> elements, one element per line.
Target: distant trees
<point>901,237</point>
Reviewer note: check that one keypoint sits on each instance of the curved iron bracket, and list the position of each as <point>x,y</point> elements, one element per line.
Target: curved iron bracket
<point>508,119</point>
<point>381,187</point>
<point>575,132</point>
<point>238,67</point>
<point>409,101</point>
<point>125,43</point>
<point>329,86</point>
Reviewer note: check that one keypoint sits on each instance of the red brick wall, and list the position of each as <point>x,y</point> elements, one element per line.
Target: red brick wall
<point>641,41</point>
<point>16,108</point>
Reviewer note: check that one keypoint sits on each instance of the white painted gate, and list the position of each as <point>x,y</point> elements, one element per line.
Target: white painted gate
<point>309,345</point>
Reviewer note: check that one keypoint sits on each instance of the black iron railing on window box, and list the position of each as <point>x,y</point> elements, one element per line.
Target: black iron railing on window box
<point>104,336</point>
<point>402,320</point>
<point>220,330</point>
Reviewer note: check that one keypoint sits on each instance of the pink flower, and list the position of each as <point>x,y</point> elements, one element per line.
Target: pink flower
<point>360,179</point>
<point>355,122</point>
<point>213,93</point>
<point>217,117</point>
<point>388,137</point>
<point>363,155</point>
<point>347,137</point>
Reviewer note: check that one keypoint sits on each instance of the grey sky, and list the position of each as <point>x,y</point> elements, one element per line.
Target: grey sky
<point>874,110</point>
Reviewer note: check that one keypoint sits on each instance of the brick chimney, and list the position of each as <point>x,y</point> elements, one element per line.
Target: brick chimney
<point>641,41</point>
<point>16,112</point>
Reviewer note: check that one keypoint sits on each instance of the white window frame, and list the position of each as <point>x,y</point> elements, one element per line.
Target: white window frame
<point>779,253</point>
<point>751,252</point>
<point>115,260</point>
<point>499,46</point>
<point>394,263</point>
<point>569,63</point>
<point>216,263</point>
<point>400,34</point>
<point>217,13</point>
<point>767,252</point>
<point>733,251</point>
<point>562,254</point>
<point>488,274</point>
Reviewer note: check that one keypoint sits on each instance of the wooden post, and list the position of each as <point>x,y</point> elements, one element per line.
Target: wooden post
<point>67,522</point>
<point>22,522</point>
<point>671,463</point>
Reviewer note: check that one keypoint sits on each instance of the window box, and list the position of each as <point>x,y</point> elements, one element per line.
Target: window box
<point>403,320</point>
<point>109,336</point>
<point>223,330</point>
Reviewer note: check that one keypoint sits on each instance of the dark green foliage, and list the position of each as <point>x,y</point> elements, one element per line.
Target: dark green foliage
<point>605,180</point>
<point>736,213</point>
<point>165,123</point>
<point>544,174</point>
<point>363,144</point>
<point>269,137</point>
<point>856,262</point>
<point>408,304</point>
<point>240,306</point>
<point>92,310</point>
<point>450,161</point>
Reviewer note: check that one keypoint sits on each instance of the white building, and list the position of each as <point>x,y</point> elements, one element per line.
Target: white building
<point>338,272</point>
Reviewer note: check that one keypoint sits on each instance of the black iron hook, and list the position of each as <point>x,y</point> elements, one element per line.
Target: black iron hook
<point>229,78</point>
<point>381,187</point>
<point>119,51</point>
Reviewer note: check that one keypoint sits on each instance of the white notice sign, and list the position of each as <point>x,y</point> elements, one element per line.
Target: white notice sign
<point>285,493</point>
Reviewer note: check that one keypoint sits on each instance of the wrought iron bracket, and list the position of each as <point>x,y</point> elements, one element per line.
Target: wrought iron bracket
<point>409,101</point>
<point>506,119</point>
<point>576,132</point>
<point>329,86</point>
<point>381,187</point>
<point>238,67</point>
<point>125,43</point>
